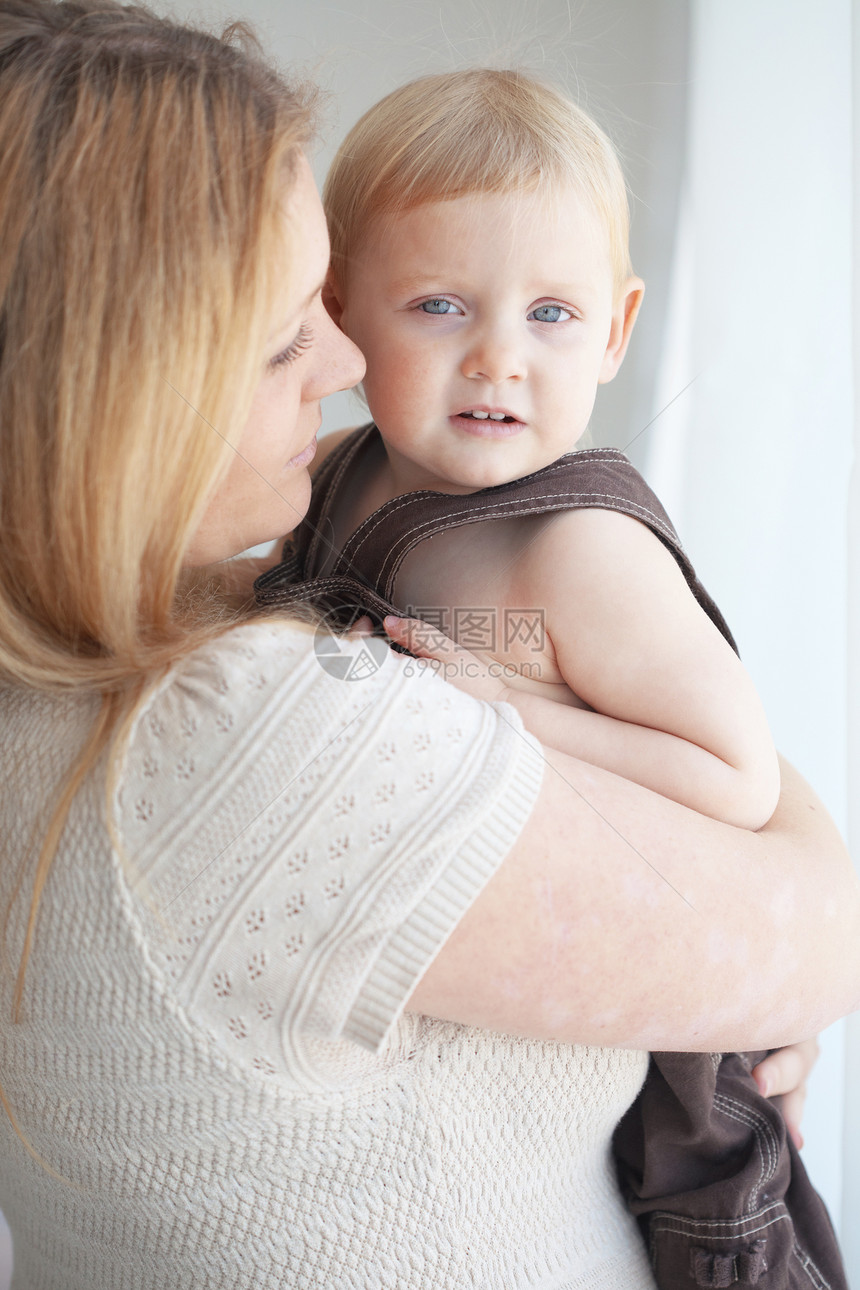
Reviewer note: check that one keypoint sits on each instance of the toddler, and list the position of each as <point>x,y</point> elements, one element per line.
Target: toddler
<point>479,228</point>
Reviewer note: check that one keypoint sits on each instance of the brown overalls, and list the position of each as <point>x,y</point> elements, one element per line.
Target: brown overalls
<point>704,1161</point>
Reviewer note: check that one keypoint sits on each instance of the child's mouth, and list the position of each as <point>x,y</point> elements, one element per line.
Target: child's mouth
<point>488,424</point>
<point>487,416</point>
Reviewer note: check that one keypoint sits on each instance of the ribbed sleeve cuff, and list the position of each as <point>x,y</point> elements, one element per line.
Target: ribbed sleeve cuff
<point>498,805</point>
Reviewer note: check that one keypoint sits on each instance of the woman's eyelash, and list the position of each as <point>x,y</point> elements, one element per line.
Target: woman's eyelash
<point>295,347</point>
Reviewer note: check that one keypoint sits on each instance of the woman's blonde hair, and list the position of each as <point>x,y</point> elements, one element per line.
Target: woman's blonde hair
<point>473,131</point>
<point>143,172</point>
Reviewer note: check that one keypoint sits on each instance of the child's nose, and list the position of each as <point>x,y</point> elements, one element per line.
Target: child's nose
<point>496,356</point>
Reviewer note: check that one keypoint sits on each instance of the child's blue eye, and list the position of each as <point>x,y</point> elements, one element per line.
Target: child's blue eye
<point>438,307</point>
<point>550,313</point>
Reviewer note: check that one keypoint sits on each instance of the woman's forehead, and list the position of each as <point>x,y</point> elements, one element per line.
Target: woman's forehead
<point>306,252</point>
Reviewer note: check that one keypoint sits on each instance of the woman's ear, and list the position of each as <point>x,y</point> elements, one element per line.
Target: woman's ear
<point>331,298</point>
<point>623,318</point>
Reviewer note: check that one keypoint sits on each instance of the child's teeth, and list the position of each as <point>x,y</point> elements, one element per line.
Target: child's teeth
<point>479,416</point>
<point>496,416</point>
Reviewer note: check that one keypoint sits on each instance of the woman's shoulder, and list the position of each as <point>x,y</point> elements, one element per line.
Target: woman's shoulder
<point>262,685</point>
<point>294,800</point>
<point>251,654</point>
<point>263,708</point>
<point>218,681</point>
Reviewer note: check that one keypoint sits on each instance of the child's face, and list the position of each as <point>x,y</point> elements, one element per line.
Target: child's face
<point>487,304</point>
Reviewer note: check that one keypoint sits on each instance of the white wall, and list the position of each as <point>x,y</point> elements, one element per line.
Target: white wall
<point>851,1134</point>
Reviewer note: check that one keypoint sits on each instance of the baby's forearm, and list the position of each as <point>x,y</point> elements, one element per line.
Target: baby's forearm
<point>743,794</point>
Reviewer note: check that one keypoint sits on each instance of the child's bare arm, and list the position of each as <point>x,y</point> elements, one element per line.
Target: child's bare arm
<point>674,708</point>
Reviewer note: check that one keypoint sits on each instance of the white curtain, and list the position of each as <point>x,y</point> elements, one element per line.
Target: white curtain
<point>754,459</point>
<point>851,1136</point>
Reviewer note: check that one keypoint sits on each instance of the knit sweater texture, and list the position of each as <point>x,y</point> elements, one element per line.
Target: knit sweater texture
<point>212,1051</point>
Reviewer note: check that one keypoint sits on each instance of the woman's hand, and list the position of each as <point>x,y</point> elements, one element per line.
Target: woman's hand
<point>784,1074</point>
<point>482,679</point>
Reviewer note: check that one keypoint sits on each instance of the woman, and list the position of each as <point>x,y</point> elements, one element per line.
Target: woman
<point>295,968</point>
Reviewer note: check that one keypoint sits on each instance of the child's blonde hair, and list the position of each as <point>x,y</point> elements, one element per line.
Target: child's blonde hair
<point>143,169</point>
<point>473,131</point>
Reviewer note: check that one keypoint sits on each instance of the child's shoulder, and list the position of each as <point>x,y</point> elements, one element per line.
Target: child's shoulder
<point>602,511</point>
<point>590,537</point>
<point>597,557</point>
<point>602,479</point>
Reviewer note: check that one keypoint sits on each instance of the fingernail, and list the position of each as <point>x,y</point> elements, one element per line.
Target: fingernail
<point>764,1086</point>
<point>391,620</point>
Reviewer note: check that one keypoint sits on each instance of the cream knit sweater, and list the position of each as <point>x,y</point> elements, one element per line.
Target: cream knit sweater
<point>212,1050</point>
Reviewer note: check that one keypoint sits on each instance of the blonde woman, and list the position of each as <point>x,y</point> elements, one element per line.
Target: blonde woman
<point>225,870</point>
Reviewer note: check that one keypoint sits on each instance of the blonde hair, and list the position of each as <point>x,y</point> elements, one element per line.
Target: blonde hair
<point>473,131</point>
<point>142,171</point>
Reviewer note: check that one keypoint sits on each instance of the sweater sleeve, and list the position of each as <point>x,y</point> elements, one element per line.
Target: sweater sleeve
<point>297,844</point>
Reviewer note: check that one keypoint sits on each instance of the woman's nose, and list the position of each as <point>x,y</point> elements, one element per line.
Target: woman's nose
<point>494,355</point>
<point>350,360</point>
<point>341,363</point>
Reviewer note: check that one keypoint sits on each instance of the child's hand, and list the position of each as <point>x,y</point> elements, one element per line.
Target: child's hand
<point>471,674</point>
<point>785,1073</point>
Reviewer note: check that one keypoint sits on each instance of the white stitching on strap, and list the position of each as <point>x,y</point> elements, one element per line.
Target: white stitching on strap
<point>766,1139</point>
<point>732,1229</point>
<point>368,526</point>
<point>811,1269</point>
<point>605,454</point>
<point>737,1229</point>
<point>603,501</point>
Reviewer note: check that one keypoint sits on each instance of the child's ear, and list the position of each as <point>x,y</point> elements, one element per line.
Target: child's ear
<point>623,318</point>
<point>331,298</point>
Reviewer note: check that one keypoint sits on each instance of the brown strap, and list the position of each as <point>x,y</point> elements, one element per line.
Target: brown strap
<point>313,539</point>
<point>296,579</point>
<point>365,571</point>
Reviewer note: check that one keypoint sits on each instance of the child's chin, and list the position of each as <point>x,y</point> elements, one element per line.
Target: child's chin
<point>489,467</point>
<point>493,474</point>
<point>472,481</point>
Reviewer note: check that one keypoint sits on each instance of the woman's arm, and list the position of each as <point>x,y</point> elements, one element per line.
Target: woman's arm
<point>622,918</point>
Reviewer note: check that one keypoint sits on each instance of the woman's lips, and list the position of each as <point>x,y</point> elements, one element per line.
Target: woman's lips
<point>305,457</point>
